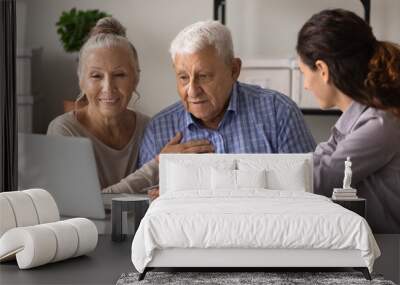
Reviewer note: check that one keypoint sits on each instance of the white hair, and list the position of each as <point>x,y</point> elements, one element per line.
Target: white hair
<point>199,35</point>
<point>107,33</point>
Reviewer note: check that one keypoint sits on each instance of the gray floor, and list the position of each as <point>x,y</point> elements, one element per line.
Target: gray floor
<point>110,260</point>
<point>389,262</point>
<point>102,266</point>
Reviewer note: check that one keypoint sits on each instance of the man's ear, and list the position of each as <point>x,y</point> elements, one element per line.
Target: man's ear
<point>236,67</point>
<point>323,70</point>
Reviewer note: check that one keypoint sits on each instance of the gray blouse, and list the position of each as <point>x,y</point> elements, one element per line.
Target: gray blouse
<point>116,168</point>
<point>371,138</point>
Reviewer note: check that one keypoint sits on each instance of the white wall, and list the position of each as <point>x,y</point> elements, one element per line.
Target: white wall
<point>151,25</point>
<point>268,28</point>
<point>261,28</point>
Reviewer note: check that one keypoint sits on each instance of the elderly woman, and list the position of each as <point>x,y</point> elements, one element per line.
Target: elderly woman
<point>345,66</point>
<point>108,76</point>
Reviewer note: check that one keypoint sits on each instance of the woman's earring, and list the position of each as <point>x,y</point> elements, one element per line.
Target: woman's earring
<point>80,97</point>
<point>80,101</point>
<point>137,97</point>
<point>133,101</point>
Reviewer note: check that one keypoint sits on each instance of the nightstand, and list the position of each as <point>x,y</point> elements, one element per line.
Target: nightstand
<point>138,204</point>
<point>358,205</point>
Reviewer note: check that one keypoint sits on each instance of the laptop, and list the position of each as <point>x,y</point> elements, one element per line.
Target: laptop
<point>66,168</point>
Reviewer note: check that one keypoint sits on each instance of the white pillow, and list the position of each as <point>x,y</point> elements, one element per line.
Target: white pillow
<point>251,178</point>
<point>226,179</point>
<point>184,175</point>
<point>293,179</point>
<point>223,179</point>
<point>187,177</point>
<point>283,174</point>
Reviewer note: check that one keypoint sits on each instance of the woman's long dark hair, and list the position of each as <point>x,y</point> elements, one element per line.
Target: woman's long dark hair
<point>366,70</point>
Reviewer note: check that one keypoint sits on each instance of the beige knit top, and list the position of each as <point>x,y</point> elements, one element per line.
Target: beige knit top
<point>116,168</point>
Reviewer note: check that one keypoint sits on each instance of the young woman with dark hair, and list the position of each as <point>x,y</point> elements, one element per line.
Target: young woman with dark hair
<point>345,66</point>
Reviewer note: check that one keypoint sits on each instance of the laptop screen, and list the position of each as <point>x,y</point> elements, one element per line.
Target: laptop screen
<point>65,167</point>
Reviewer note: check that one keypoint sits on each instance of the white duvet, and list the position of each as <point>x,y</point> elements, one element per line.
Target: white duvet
<point>250,218</point>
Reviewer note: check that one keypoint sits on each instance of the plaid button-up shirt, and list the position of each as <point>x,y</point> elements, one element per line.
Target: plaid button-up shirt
<point>256,121</point>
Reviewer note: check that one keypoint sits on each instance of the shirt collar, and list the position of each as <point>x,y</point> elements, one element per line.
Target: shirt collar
<point>350,117</point>
<point>232,108</point>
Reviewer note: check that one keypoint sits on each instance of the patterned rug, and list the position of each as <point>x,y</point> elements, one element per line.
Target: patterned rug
<point>243,278</point>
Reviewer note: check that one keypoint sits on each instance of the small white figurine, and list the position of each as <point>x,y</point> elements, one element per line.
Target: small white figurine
<point>347,192</point>
<point>347,174</point>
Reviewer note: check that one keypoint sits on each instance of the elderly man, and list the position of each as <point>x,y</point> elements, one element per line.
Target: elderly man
<point>234,117</point>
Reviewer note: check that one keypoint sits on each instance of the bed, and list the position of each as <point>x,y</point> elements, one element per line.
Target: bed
<point>247,210</point>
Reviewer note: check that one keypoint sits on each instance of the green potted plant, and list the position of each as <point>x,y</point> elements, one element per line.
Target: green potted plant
<point>74,26</point>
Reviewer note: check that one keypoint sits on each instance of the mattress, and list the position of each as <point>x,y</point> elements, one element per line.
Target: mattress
<point>250,219</point>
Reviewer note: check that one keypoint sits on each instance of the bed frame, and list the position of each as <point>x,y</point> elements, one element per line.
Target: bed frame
<point>255,258</point>
<point>242,258</point>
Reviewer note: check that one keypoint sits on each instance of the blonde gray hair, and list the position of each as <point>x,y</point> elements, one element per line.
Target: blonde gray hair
<point>107,33</point>
<point>202,34</point>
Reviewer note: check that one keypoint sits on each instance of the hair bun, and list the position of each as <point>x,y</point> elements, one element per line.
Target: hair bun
<point>108,25</point>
